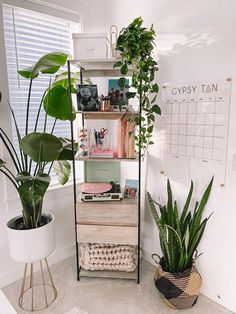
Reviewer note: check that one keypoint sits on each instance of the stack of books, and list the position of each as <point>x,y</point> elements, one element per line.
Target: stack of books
<point>102,153</point>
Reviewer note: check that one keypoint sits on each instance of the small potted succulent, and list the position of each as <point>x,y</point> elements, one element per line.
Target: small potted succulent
<point>180,233</point>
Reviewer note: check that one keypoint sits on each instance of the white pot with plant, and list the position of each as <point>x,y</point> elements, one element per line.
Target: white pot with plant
<point>31,235</point>
<point>180,232</point>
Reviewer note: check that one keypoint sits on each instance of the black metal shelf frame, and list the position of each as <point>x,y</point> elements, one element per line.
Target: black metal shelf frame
<point>74,176</point>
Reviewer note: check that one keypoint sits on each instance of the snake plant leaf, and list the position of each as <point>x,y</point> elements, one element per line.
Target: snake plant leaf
<point>49,63</point>
<point>57,103</point>
<point>186,238</point>
<point>186,206</point>
<point>2,163</point>
<point>41,147</point>
<point>62,169</point>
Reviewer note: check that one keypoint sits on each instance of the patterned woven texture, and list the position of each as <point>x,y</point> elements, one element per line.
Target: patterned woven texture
<point>94,256</point>
<point>180,290</point>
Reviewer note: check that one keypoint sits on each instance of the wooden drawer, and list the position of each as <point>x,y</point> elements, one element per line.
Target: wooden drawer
<point>122,213</point>
<point>107,234</point>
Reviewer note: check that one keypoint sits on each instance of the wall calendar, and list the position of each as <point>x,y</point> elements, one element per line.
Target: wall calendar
<point>195,126</point>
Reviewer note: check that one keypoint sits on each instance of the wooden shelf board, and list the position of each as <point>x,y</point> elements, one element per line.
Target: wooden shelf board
<point>108,274</point>
<point>99,68</point>
<point>106,159</point>
<point>105,115</point>
<point>124,201</point>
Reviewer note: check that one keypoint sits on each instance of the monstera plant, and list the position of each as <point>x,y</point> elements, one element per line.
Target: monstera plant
<point>39,151</point>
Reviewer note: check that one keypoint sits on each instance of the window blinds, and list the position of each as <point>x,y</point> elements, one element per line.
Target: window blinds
<point>28,36</point>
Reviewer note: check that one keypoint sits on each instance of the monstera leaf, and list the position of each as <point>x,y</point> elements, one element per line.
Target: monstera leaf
<point>49,63</point>
<point>57,103</point>
<point>31,193</point>
<point>62,79</point>
<point>62,169</point>
<point>67,152</point>
<point>41,147</point>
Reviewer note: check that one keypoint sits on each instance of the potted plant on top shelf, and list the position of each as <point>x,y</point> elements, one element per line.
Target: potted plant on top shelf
<point>135,45</point>
<point>30,235</point>
<point>177,278</point>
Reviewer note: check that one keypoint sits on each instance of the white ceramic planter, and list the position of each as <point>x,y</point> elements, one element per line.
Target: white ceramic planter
<point>31,245</point>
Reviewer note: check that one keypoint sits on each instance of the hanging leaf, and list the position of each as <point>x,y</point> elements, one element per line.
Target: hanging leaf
<point>121,82</point>
<point>156,109</point>
<point>117,64</point>
<point>62,169</point>
<point>155,88</point>
<point>124,69</point>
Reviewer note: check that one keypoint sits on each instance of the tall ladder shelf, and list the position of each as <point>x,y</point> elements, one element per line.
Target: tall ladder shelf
<point>104,222</point>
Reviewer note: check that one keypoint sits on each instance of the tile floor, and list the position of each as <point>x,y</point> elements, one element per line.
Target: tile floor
<point>108,296</point>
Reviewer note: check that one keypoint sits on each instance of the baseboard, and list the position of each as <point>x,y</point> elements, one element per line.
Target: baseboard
<point>5,305</point>
<point>17,273</point>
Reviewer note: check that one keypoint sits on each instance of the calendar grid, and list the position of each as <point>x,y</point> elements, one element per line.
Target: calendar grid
<point>196,127</point>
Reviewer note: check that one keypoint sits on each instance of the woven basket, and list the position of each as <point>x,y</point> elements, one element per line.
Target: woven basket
<point>178,290</point>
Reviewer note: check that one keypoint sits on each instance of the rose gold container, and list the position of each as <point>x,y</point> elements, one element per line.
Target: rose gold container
<point>105,105</point>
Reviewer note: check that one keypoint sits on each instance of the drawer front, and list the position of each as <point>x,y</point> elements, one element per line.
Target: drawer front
<point>107,234</point>
<point>116,213</point>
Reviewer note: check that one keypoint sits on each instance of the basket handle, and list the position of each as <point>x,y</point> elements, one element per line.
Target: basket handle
<point>154,257</point>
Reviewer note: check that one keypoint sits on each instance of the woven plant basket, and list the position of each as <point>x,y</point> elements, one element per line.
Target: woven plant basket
<point>178,290</point>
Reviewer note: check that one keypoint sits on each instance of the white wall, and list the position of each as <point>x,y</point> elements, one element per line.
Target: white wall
<point>59,202</point>
<point>196,41</point>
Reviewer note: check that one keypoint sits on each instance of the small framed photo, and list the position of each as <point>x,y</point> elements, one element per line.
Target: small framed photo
<point>131,188</point>
<point>87,98</point>
<point>117,95</point>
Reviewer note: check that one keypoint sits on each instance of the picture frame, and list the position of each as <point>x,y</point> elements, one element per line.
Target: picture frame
<point>87,98</point>
<point>117,94</point>
<point>131,189</point>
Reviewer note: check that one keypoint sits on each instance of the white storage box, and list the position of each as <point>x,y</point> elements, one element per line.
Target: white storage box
<point>90,46</point>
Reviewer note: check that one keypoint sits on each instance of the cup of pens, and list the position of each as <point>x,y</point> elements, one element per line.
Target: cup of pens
<point>99,137</point>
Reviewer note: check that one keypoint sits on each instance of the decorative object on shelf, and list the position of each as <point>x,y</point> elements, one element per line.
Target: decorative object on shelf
<point>117,92</point>
<point>140,59</point>
<point>99,191</point>
<point>125,139</point>
<point>105,103</point>
<point>113,40</point>
<point>87,97</point>
<point>83,142</point>
<point>95,188</point>
<point>97,256</point>
<point>90,46</point>
<point>30,236</point>
<point>130,140</point>
<point>131,188</point>
<point>177,278</point>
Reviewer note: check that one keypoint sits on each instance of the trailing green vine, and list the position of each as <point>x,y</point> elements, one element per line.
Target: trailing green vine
<point>135,44</point>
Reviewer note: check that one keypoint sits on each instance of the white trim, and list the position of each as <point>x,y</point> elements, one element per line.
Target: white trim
<point>55,6</point>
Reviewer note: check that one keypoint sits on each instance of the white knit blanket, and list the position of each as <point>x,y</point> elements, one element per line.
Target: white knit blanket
<point>94,256</point>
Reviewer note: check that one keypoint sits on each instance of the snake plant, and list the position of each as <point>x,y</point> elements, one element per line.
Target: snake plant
<point>180,232</point>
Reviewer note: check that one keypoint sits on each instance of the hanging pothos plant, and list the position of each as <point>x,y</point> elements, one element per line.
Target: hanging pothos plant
<point>135,44</point>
